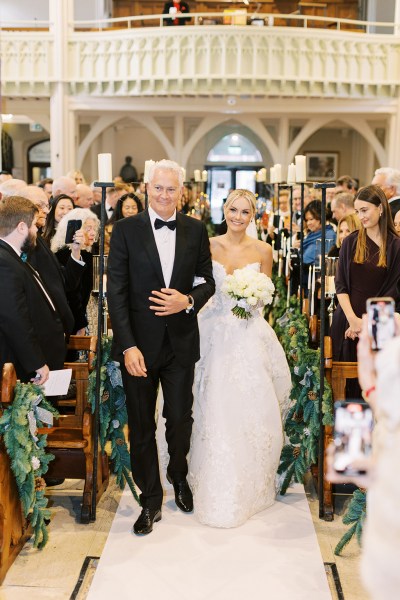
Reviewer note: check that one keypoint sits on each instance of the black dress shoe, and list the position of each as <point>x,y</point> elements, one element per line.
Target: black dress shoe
<point>144,524</point>
<point>183,495</point>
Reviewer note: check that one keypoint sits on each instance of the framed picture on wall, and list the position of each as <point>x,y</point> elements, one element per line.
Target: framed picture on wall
<point>322,166</point>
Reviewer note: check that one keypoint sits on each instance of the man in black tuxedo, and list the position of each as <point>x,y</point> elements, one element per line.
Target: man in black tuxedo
<point>178,7</point>
<point>31,330</point>
<point>388,180</point>
<point>154,258</point>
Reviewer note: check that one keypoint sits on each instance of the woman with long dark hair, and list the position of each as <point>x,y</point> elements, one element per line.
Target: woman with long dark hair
<point>369,265</point>
<point>61,205</point>
<point>128,205</point>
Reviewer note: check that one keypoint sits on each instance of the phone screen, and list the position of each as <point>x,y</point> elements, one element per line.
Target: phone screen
<point>352,437</point>
<point>72,227</point>
<point>381,326</point>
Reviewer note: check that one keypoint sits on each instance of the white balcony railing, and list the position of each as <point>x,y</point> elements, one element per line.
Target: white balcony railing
<point>206,60</point>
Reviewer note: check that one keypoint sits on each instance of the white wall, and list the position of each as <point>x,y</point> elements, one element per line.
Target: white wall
<point>28,10</point>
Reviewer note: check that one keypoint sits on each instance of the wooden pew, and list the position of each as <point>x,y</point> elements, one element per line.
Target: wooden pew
<point>14,530</point>
<point>337,374</point>
<point>71,437</point>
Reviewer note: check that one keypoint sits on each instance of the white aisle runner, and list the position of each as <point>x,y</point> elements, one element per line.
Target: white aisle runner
<point>274,556</point>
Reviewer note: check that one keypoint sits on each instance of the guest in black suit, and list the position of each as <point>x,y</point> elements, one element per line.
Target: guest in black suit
<point>31,330</point>
<point>180,8</point>
<point>112,196</point>
<point>388,180</point>
<point>154,258</point>
<point>59,280</point>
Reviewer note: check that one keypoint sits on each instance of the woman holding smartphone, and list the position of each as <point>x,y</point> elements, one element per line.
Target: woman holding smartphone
<point>369,265</point>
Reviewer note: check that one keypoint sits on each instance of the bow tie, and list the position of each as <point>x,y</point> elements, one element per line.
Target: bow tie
<point>158,223</point>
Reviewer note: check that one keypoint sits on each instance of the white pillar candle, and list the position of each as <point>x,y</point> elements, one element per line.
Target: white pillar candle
<point>104,284</point>
<point>147,165</point>
<point>280,266</point>
<point>263,174</point>
<point>105,168</point>
<point>312,290</point>
<point>278,173</point>
<point>204,175</point>
<point>309,280</point>
<point>272,175</point>
<point>291,177</point>
<point>300,161</point>
<point>197,176</point>
<point>283,243</point>
<point>287,265</point>
<point>288,294</point>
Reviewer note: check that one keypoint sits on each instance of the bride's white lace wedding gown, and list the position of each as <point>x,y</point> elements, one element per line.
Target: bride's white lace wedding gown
<point>242,385</point>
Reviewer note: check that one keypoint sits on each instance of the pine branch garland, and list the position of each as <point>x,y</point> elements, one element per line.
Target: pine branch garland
<point>355,516</point>
<point>113,415</point>
<point>29,460</point>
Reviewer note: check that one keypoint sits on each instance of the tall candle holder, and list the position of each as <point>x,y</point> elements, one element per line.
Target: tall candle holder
<point>100,315</point>
<point>321,453</point>
<point>330,290</point>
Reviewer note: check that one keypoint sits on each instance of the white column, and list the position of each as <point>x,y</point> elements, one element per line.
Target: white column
<point>62,117</point>
<point>283,137</point>
<point>393,134</point>
<point>178,139</point>
<point>397,17</point>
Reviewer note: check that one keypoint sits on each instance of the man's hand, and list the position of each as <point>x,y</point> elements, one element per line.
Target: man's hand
<point>42,375</point>
<point>134,362</point>
<point>168,302</point>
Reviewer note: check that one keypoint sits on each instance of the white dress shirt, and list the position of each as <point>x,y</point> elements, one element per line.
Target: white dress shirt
<point>165,241</point>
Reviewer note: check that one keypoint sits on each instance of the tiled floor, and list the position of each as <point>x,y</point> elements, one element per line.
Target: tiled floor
<point>54,572</point>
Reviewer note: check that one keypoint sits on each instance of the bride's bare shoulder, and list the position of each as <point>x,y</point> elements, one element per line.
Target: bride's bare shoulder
<point>217,242</point>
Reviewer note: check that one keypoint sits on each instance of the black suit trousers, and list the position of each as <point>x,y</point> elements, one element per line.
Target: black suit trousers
<point>141,396</point>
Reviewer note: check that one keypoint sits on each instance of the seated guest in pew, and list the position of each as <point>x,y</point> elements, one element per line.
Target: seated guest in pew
<point>79,297</point>
<point>346,225</point>
<point>127,206</point>
<point>31,329</point>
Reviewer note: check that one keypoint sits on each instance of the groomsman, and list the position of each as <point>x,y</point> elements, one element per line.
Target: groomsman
<point>31,330</point>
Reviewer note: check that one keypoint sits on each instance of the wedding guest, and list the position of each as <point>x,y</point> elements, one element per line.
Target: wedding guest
<point>369,265</point>
<point>46,185</point>
<point>342,205</point>
<point>379,377</point>
<point>31,330</point>
<point>77,176</point>
<point>346,225</point>
<point>174,8</point>
<point>112,196</point>
<point>312,218</point>
<point>347,184</point>
<point>64,185</point>
<point>79,297</point>
<point>96,192</point>
<point>11,187</point>
<point>127,206</point>
<point>388,180</point>
<point>397,222</point>
<point>60,206</point>
<point>84,196</point>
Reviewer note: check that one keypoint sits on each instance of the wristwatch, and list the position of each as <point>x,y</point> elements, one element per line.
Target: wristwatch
<point>190,307</point>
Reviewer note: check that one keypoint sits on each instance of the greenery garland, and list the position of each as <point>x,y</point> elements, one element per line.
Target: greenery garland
<point>113,415</point>
<point>26,449</point>
<point>355,516</point>
<point>302,422</point>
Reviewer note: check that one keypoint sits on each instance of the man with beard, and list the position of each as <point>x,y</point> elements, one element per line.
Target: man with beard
<point>31,330</point>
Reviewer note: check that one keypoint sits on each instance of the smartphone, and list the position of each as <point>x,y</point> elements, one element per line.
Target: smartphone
<point>352,437</point>
<point>72,227</point>
<point>381,326</point>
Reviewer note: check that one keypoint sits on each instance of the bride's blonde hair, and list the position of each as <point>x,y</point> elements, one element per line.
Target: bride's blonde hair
<point>246,194</point>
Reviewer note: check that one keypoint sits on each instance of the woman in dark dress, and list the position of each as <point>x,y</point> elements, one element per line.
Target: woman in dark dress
<point>369,265</point>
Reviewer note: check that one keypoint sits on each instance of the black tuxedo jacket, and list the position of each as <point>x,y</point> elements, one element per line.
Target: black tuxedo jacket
<point>184,8</point>
<point>394,206</point>
<point>134,270</point>
<point>58,279</point>
<point>31,331</point>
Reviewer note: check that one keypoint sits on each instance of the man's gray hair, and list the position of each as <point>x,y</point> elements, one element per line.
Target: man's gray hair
<point>167,165</point>
<point>392,177</point>
<point>11,187</point>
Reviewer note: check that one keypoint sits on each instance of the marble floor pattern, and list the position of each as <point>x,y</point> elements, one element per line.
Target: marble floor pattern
<point>239,556</point>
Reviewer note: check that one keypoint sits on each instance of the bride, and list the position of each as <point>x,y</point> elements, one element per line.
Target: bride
<point>242,385</point>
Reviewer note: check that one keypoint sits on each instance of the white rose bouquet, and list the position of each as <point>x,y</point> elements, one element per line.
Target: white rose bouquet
<point>251,289</point>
